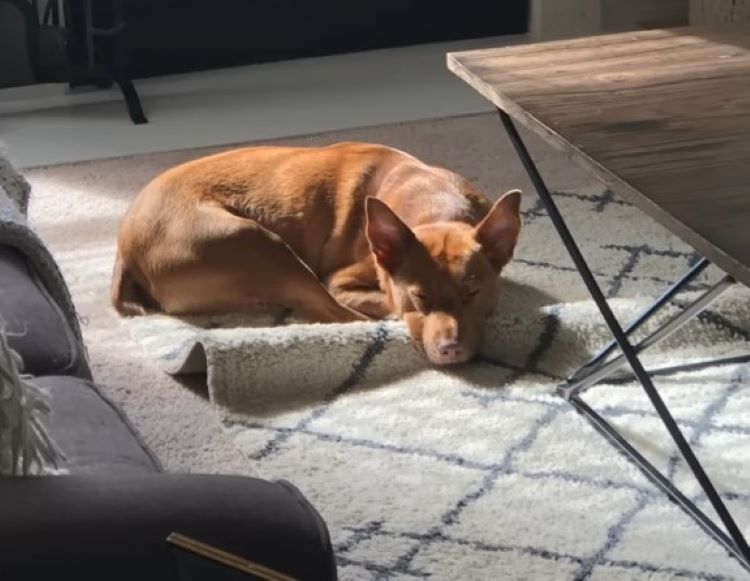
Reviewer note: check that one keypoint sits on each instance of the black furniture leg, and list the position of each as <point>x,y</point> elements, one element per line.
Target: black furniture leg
<point>605,369</point>
<point>697,366</point>
<point>613,437</point>
<point>132,101</point>
<point>112,67</point>
<point>645,316</point>
<point>735,542</point>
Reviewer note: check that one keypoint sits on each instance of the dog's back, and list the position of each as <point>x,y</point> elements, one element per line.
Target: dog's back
<point>311,198</point>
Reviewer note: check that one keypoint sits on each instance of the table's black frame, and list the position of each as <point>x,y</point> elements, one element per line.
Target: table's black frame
<point>601,367</point>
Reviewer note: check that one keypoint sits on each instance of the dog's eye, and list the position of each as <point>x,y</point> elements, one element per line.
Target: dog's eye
<point>471,293</point>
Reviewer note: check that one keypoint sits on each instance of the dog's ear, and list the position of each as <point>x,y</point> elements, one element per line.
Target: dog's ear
<point>498,232</point>
<point>388,236</point>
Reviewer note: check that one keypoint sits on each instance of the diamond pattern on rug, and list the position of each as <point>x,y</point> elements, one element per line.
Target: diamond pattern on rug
<point>448,560</point>
<point>641,542</point>
<point>394,486</point>
<point>548,497</point>
<point>373,548</point>
<point>379,486</point>
<point>411,465</point>
<point>597,463</point>
<point>439,411</point>
<point>493,518</point>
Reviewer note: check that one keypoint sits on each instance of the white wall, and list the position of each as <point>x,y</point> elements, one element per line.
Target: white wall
<point>552,19</point>
<point>718,11</point>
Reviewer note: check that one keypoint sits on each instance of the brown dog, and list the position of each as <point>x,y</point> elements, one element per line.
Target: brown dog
<point>341,233</point>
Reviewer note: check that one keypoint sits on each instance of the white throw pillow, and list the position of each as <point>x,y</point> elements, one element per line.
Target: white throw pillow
<point>25,446</point>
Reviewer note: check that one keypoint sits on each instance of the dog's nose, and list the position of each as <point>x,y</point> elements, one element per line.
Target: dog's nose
<point>450,348</point>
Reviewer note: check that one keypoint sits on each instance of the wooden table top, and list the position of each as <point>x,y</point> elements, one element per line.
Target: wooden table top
<point>662,117</point>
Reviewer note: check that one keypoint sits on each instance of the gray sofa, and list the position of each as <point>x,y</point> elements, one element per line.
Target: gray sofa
<point>110,516</point>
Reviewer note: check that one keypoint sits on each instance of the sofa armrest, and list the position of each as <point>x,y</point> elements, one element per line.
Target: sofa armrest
<point>92,431</point>
<point>104,527</point>
<point>34,324</point>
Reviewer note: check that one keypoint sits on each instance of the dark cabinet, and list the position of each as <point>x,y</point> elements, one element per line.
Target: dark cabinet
<point>170,36</point>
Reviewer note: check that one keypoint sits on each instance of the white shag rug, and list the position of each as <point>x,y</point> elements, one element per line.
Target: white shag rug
<point>475,473</point>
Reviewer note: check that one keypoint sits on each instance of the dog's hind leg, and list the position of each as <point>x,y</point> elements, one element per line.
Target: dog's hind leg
<point>234,262</point>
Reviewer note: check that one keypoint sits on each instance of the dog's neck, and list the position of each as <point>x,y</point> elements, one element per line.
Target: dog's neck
<point>422,194</point>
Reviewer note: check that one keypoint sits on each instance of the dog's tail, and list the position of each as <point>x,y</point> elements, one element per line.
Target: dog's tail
<point>129,298</point>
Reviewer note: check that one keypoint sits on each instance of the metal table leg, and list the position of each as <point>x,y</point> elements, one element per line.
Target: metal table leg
<point>735,542</point>
<point>604,370</point>
<point>596,361</point>
<point>624,376</point>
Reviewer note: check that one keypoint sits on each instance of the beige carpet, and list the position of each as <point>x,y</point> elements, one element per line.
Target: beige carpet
<point>433,474</point>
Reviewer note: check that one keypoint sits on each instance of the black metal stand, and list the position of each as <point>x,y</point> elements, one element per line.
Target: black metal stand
<point>132,101</point>
<point>104,65</point>
<point>600,367</point>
